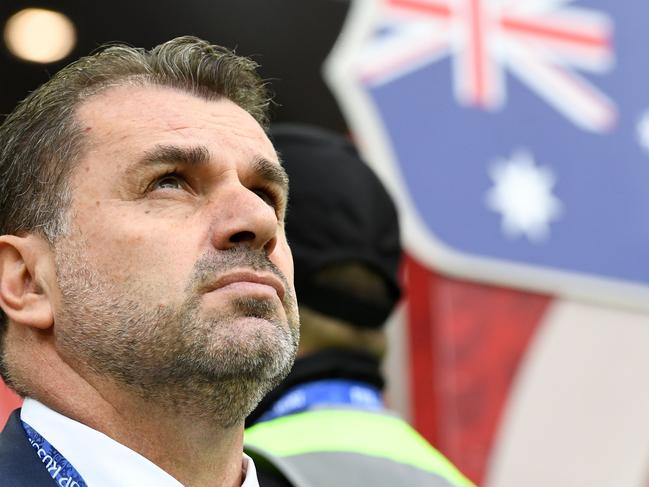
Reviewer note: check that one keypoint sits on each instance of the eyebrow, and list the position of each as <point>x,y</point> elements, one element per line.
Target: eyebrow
<point>271,172</point>
<point>199,155</point>
<point>172,154</point>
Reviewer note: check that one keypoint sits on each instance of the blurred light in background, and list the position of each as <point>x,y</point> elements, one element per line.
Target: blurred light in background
<point>39,35</point>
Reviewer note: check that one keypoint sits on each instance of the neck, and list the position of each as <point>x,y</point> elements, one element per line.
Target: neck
<point>193,449</point>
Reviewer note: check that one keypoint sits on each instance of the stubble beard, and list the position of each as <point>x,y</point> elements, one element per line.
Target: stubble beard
<point>215,367</point>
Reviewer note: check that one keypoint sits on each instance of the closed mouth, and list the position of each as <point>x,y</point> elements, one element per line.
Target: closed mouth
<point>249,276</point>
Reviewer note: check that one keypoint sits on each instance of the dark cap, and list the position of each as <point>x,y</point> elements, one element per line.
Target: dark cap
<point>339,212</point>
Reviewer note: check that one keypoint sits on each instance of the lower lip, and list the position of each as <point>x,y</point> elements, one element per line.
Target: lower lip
<point>247,288</point>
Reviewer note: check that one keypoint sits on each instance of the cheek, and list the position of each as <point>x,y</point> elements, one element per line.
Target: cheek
<point>283,259</point>
<point>149,255</point>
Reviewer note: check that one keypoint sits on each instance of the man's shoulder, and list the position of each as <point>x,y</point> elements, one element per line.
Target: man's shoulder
<point>19,465</point>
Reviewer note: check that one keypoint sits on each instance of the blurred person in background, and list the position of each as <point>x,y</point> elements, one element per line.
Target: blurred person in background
<point>326,424</point>
<point>145,278</point>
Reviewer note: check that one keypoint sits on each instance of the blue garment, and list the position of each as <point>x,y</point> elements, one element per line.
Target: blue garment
<point>19,464</point>
<point>325,393</point>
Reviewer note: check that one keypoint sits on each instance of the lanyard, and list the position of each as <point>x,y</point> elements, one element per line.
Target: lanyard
<point>330,392</point>
<point>62,471</point>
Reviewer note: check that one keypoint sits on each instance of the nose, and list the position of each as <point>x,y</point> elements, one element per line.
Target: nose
<point>242,217</point>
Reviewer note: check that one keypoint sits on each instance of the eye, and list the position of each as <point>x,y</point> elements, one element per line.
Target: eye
<point>267,196</point>
<point>270,197</point>
<point>169,181</point>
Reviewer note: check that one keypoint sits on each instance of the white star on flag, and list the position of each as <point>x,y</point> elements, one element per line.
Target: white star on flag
<point>522,194</point>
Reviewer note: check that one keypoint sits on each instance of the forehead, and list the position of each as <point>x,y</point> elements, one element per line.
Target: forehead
<point>131,119</point>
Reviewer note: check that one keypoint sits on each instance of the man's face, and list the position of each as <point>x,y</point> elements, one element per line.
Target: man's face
<point>176,277</point>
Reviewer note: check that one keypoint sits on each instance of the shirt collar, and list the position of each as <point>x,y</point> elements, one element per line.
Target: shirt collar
<point>100,460</point>
<point>249,472</point>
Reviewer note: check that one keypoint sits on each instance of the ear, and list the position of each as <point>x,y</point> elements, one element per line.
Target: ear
<point>25,270</point>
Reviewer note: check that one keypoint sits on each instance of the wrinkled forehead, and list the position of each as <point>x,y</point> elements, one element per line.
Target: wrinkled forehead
<point>129,117</point>
<point>125,108</point>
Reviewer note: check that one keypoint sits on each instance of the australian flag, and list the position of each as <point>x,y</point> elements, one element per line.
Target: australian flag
<point>514,133</point>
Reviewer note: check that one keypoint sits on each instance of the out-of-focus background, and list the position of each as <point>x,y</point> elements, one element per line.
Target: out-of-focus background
<point>515,137</point>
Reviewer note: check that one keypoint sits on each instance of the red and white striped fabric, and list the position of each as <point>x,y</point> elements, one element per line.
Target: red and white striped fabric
<point>520,389</point>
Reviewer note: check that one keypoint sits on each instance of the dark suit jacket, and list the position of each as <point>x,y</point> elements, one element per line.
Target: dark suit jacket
<point>19,464</point>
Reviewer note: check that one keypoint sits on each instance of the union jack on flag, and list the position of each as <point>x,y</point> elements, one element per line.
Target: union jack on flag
<point>541,42</point>
<point>514,135</point>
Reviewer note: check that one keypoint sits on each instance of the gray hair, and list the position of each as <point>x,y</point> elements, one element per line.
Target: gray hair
<point>41,140</point>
